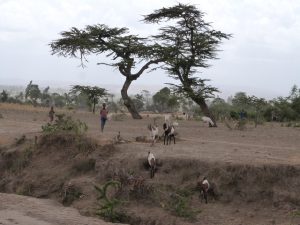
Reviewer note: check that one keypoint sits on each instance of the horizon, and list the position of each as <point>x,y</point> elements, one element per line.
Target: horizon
<point>63,87</point>
<point>260,59</point>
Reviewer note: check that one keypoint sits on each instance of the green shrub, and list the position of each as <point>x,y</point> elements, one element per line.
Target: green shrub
<point>296,213</point>
<point>63,123</point>
<point>108,206</point>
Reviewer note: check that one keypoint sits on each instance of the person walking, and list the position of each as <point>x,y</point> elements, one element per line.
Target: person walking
<point>103,116</point>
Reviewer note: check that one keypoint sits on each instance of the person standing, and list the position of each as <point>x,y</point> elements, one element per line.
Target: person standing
<point>51,114</point>
<point>103,116</point>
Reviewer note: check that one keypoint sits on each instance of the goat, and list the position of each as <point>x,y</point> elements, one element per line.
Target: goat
<point>205,189</point>
<point>208,120</point>
<point>168,133</point>
<point>152,164</point>
<point>153,133</point>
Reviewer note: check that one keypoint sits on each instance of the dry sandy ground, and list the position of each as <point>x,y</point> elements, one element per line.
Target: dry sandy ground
<point>267,144</point>
<point>15,209</point>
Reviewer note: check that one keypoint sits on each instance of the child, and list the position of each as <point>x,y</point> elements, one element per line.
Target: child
<point>103,116</point>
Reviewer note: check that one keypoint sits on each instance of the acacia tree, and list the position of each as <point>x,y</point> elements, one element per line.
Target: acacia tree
<point>165,101</point>
<point>191,43</point>
<point>259,105</point>
<point>4,96</point>
<point>126,51</point>
<point>33,92</point>
<point>93,93</point>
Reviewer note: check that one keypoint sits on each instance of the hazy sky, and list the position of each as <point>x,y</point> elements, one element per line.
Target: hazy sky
<point>262,58</point>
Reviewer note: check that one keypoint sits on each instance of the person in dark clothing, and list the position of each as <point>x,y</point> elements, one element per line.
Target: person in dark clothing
<point>51,114</point>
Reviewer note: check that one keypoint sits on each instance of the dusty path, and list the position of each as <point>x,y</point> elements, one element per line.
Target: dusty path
<point>21,210</point>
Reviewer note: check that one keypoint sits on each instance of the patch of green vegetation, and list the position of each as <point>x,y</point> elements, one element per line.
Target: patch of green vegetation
<point>296,213</point>
<point>65,123</point>
<point>179,205</point>
<point>108,205</point>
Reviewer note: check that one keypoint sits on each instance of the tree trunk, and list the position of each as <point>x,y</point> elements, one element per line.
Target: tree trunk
<point>201,102</point>
<point>127,101</point>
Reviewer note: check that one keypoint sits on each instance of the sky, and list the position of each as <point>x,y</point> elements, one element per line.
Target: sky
<point>261,58</point>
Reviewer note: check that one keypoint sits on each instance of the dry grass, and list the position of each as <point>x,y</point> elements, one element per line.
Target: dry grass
<point>25,107</point>
<point>30,108</point>
<point>251,170</point>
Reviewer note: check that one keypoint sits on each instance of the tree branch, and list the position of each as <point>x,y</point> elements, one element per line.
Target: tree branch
<point>146,66</point>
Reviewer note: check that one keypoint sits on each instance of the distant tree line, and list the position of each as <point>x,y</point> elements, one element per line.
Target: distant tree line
<point>281,109</point>
<point>79,97</point>
<point>166,100</point>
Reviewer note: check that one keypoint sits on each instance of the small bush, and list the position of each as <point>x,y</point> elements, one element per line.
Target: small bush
<point>63,123</point>
<point>70,194</point>
<point>1,116</point>
<point>139,189</point>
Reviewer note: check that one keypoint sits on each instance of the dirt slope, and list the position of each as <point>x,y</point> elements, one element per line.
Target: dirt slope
<point>21,210</point>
